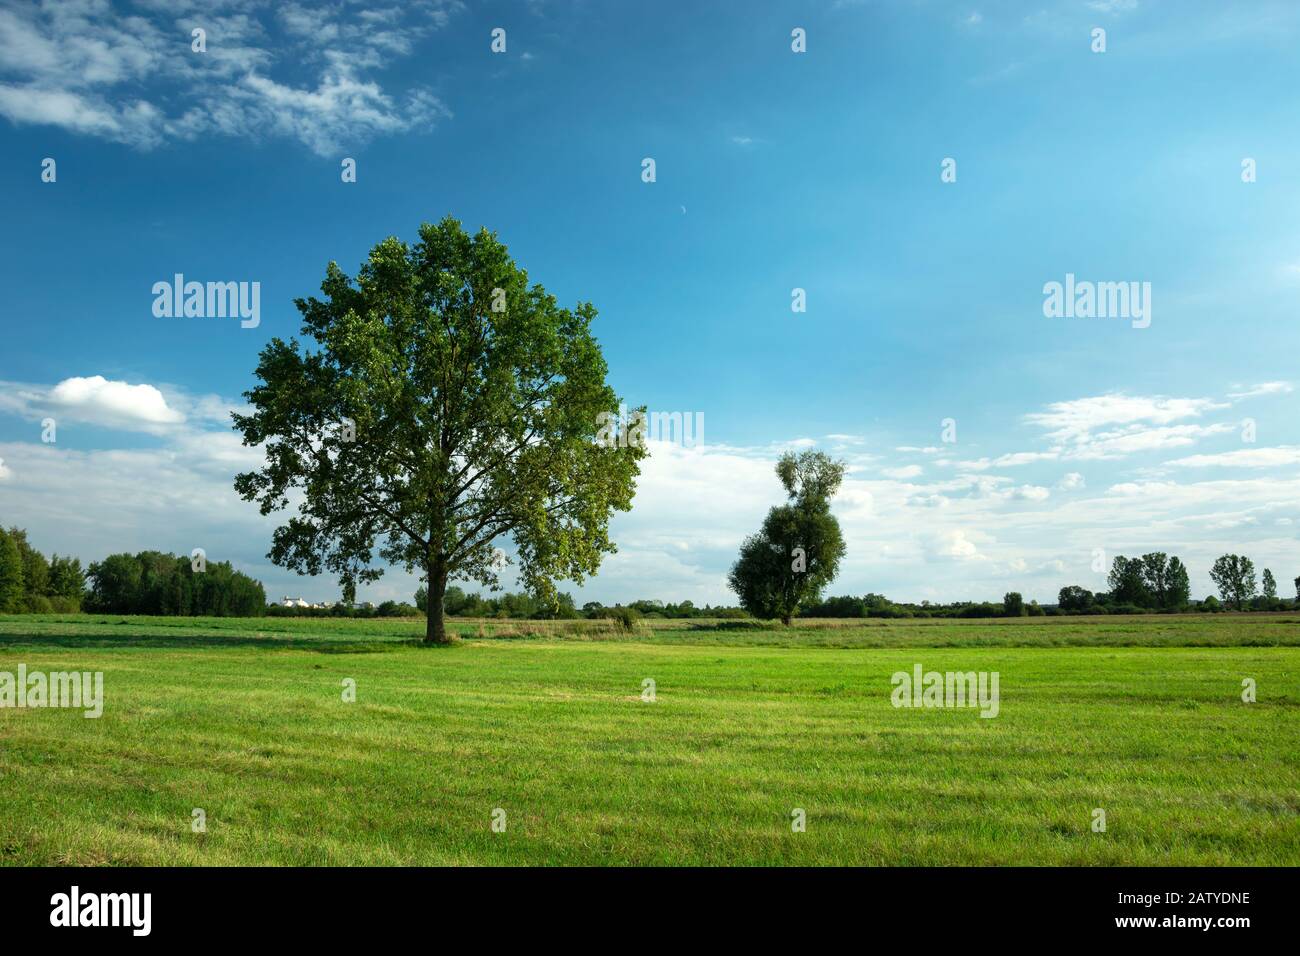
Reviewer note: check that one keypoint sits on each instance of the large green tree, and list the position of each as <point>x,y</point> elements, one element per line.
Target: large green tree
<point>797,552</point>
<point>448,404</point>
<point>1234,576</point>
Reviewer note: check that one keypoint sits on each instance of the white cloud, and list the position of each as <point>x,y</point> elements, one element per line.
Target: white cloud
<point>1072,481</point>
<point>1024,458</point>
<point>98,400</point>
<point>94,400</point>
<point>1030,493</point>
<point>1073,421</point>
<point>905,472</point>
<point>1121,442</point>
<point>1115,425</point>
<point>1243,458</point>
<point>953,544</point>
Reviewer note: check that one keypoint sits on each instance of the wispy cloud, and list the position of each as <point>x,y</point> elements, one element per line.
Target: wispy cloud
<point>1243,458</point>
<point>1263,388</point>
<point>136,80</point>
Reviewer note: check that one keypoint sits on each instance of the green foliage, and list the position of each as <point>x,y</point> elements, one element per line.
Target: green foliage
<point>1013,605</point>
<point>429,424</point>
<point>1234,576</point>
<point>1128,583</point>
<point>789,562</point>
<point>1270,585</point>
<point>386,609</point>
<point>67,580</point>
<point>1074,599</point>
<point>36,570</point>
<point>1178,585</point>
<point>627,616</point>
<point>30,584</point>
<point>1153,581</point>
<point>152,582</point>
<point>11,574</point>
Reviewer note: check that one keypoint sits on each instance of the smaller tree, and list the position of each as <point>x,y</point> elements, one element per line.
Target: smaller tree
<point>788,563</point>
<point>1127,582</point>
<point>1074,598</point>
<point>1270,585</point>
<point>1013,604</point>
<point>1234,576</point>
<point>1155,575</point>
<point>1178,586</point>
<point>67,580</point>
<point>36,572</point>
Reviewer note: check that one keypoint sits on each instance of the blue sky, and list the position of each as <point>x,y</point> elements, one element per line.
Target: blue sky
<point>775,170</point>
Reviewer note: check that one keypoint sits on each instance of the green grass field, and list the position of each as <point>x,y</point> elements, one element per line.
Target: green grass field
<point>1141,717</point>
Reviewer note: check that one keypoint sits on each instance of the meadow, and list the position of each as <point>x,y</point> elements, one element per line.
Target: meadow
<point>545,725</point>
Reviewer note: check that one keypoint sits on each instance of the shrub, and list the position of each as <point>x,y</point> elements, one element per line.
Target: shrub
<point>38,604</point>
<point>626,616</point>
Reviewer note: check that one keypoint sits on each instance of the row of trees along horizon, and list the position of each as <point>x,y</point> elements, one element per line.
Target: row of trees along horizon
<point>156,583</point>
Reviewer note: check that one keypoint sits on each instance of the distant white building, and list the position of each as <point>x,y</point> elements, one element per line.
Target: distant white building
<point>287,601</point>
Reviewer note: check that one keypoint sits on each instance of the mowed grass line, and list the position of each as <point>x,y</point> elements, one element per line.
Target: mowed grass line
<point>557,735</point>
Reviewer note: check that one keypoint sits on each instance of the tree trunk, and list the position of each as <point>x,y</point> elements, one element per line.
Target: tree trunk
<point>435,626</point>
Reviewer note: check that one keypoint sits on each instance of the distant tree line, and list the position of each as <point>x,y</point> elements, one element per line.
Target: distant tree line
<point>877,605</point>
<point>1153,583</point>
<point>156,583</point>
<point>1157,582</point>
<point>29,584</point>
<point>459,603</point>
<point>153,582</point>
